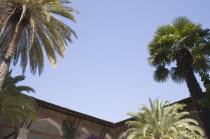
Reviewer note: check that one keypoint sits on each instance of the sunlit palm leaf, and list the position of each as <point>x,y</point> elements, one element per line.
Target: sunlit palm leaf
<point>161,121</point>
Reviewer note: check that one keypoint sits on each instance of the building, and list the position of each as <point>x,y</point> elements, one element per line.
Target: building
<point>50,117</point>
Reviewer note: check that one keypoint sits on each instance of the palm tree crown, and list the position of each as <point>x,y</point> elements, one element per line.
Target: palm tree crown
<point>183,42</point>
<point>180,50</point>
<point>14,105</point>
<point>163,122</point>
<point>29,27</point>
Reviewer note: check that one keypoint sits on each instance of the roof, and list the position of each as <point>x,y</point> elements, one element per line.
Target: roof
<point>73,113</point>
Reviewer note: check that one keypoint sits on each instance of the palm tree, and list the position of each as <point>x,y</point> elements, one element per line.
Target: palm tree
<point>187,45</point>
<point>14,105</point>
<point>29,27</point>
<point>163,122</point>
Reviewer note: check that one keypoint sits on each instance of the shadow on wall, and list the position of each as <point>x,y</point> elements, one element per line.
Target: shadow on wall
<point>122,136</point>
<point>5,131</point>
<point>84,134</point>
<point>45,129</point>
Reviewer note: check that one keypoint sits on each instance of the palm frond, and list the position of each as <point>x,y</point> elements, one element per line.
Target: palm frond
<point>14,105</point>
<point>161,74</point>
<point>163,121</point>
<point>180,22</point>
<point>35,25</point>
<point>177,75</point>
<point>164,30</point>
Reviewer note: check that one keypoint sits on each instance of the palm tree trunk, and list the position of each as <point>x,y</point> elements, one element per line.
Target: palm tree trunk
<point>196,94</point>
<point>6,58</point>
<point>184,62</point>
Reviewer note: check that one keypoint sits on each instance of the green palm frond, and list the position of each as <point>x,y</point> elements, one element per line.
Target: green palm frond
<point>14,105</point>
<point>161,120</point>
<point>201,63</point>
<point>180,22</point>
<point>177,75</point>
<point>161,74</point>
<point>165,30</point>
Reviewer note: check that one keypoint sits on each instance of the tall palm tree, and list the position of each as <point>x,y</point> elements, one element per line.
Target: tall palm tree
<point>14,105</point>
<point>178,51</point>
<point>163,122</point>
<point>29,27</point>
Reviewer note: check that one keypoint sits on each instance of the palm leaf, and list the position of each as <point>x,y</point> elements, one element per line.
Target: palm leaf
<point>14,105</point>
<point>163,121</point>
<point>161,74</point>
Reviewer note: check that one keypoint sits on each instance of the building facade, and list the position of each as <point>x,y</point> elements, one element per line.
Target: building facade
<point>49,124</point>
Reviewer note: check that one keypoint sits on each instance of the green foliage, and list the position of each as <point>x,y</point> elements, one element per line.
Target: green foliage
<point>205,101</point>
<point>38,30</point>
<point>14,105</point>
<point>174,43</point>
<point>206,82</point>
<point>69,130</point>
<point>163,121</point>
<point>161,74</point>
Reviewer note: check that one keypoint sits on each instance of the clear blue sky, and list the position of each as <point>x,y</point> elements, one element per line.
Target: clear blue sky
<point>105,72</point>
